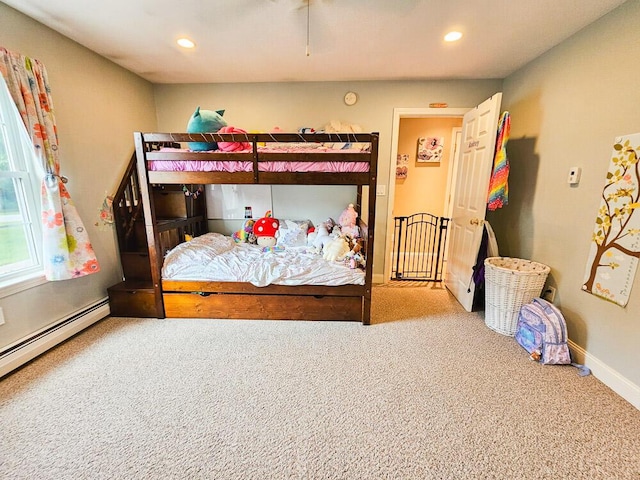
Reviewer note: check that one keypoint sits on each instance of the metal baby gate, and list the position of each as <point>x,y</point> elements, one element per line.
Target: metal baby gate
<point>418,247</point>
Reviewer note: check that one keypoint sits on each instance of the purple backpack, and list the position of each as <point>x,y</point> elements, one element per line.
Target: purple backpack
<point>542,332</point>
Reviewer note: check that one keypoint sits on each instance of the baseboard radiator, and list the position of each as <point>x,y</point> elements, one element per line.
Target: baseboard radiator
<point>29,347</point>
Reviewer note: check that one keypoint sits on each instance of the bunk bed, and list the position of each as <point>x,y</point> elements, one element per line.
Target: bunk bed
<point>163,162</point>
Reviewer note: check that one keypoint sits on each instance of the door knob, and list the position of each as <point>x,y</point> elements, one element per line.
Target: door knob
<point>475,221</point>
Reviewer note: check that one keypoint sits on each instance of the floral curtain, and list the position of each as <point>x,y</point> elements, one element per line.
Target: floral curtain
<point>67,251</point>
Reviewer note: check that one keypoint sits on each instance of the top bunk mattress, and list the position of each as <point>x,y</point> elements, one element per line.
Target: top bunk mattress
<point>195,165</point>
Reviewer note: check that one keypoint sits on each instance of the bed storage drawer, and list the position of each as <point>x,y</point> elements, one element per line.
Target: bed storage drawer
<point>269,307</point>
<point>132,299</point>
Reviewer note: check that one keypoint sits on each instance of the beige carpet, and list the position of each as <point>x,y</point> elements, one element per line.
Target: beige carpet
<point>427,392</point>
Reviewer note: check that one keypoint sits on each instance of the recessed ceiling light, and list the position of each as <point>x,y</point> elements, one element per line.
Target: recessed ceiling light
<point>185,43</point>
<point>452,36</point>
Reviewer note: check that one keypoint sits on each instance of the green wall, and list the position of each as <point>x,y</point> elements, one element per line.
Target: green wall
<point>567,108</point>
<point>97,105</point>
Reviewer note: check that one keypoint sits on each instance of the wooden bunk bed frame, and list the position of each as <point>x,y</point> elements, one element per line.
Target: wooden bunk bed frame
<point>233,300</point>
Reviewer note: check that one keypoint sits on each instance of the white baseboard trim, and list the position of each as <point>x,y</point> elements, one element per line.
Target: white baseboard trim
<point>607,375</point>
<point>37,343</point>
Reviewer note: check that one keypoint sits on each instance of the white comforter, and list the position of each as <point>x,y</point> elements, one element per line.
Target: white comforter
<point>216,257</point>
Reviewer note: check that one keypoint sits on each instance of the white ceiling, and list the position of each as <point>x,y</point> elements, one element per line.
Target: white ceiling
<point>265,40</point>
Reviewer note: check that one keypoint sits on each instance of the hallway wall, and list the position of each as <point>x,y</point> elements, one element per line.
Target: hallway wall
<point>425,187</point>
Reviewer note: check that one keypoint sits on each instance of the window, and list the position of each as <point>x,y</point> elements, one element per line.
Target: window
<point>20,254</point>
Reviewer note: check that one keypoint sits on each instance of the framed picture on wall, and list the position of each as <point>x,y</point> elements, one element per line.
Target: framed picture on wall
<point>430,149</point>
<point>402,165</point>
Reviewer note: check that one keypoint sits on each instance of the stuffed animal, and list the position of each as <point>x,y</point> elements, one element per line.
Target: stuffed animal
<point>344,141</point>
<point>266,230</point>
<point>234,146</point>
<point>336,249</point>
<point>332,226</point>
<point>322,238</point>
<point>205,121</point>
<point>354,258</point>
<point>336,126</point>
<point>312,233</point>
<point>347,221</point>
<point>245,234</point>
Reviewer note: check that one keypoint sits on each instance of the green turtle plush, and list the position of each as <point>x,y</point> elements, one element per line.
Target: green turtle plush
<point>205,121</point>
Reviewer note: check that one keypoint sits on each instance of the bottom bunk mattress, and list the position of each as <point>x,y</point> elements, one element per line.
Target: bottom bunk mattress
<point>218,258</point>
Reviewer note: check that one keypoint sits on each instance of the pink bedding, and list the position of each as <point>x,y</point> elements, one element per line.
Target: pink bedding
<point>266,166</point>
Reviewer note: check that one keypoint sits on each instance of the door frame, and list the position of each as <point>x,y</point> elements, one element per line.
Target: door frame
<point>399,113</point>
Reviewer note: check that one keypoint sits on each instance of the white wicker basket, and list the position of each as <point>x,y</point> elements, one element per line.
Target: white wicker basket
<point>509,284</point>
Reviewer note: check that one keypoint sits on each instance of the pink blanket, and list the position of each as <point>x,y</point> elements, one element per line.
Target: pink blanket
<point>271,166</point>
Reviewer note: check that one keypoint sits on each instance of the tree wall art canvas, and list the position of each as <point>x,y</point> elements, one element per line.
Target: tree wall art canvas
<point>615,243</point>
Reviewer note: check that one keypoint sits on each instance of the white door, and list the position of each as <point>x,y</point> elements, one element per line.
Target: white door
<point>474,163</point>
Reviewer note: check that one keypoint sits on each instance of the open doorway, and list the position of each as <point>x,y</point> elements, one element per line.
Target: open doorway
<point>427,185</point>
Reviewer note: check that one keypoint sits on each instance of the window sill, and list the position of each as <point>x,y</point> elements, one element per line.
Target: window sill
<point>14,286</point>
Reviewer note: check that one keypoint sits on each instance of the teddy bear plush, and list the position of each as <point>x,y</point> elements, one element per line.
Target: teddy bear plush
<point>205,121</point>
<point>337,249</point>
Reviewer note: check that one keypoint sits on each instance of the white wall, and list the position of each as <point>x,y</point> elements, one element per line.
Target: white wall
<point>567,107</point>
<point>97,106</point>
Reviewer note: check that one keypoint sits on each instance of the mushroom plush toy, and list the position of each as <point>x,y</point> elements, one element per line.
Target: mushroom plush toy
<point>265,230</point>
